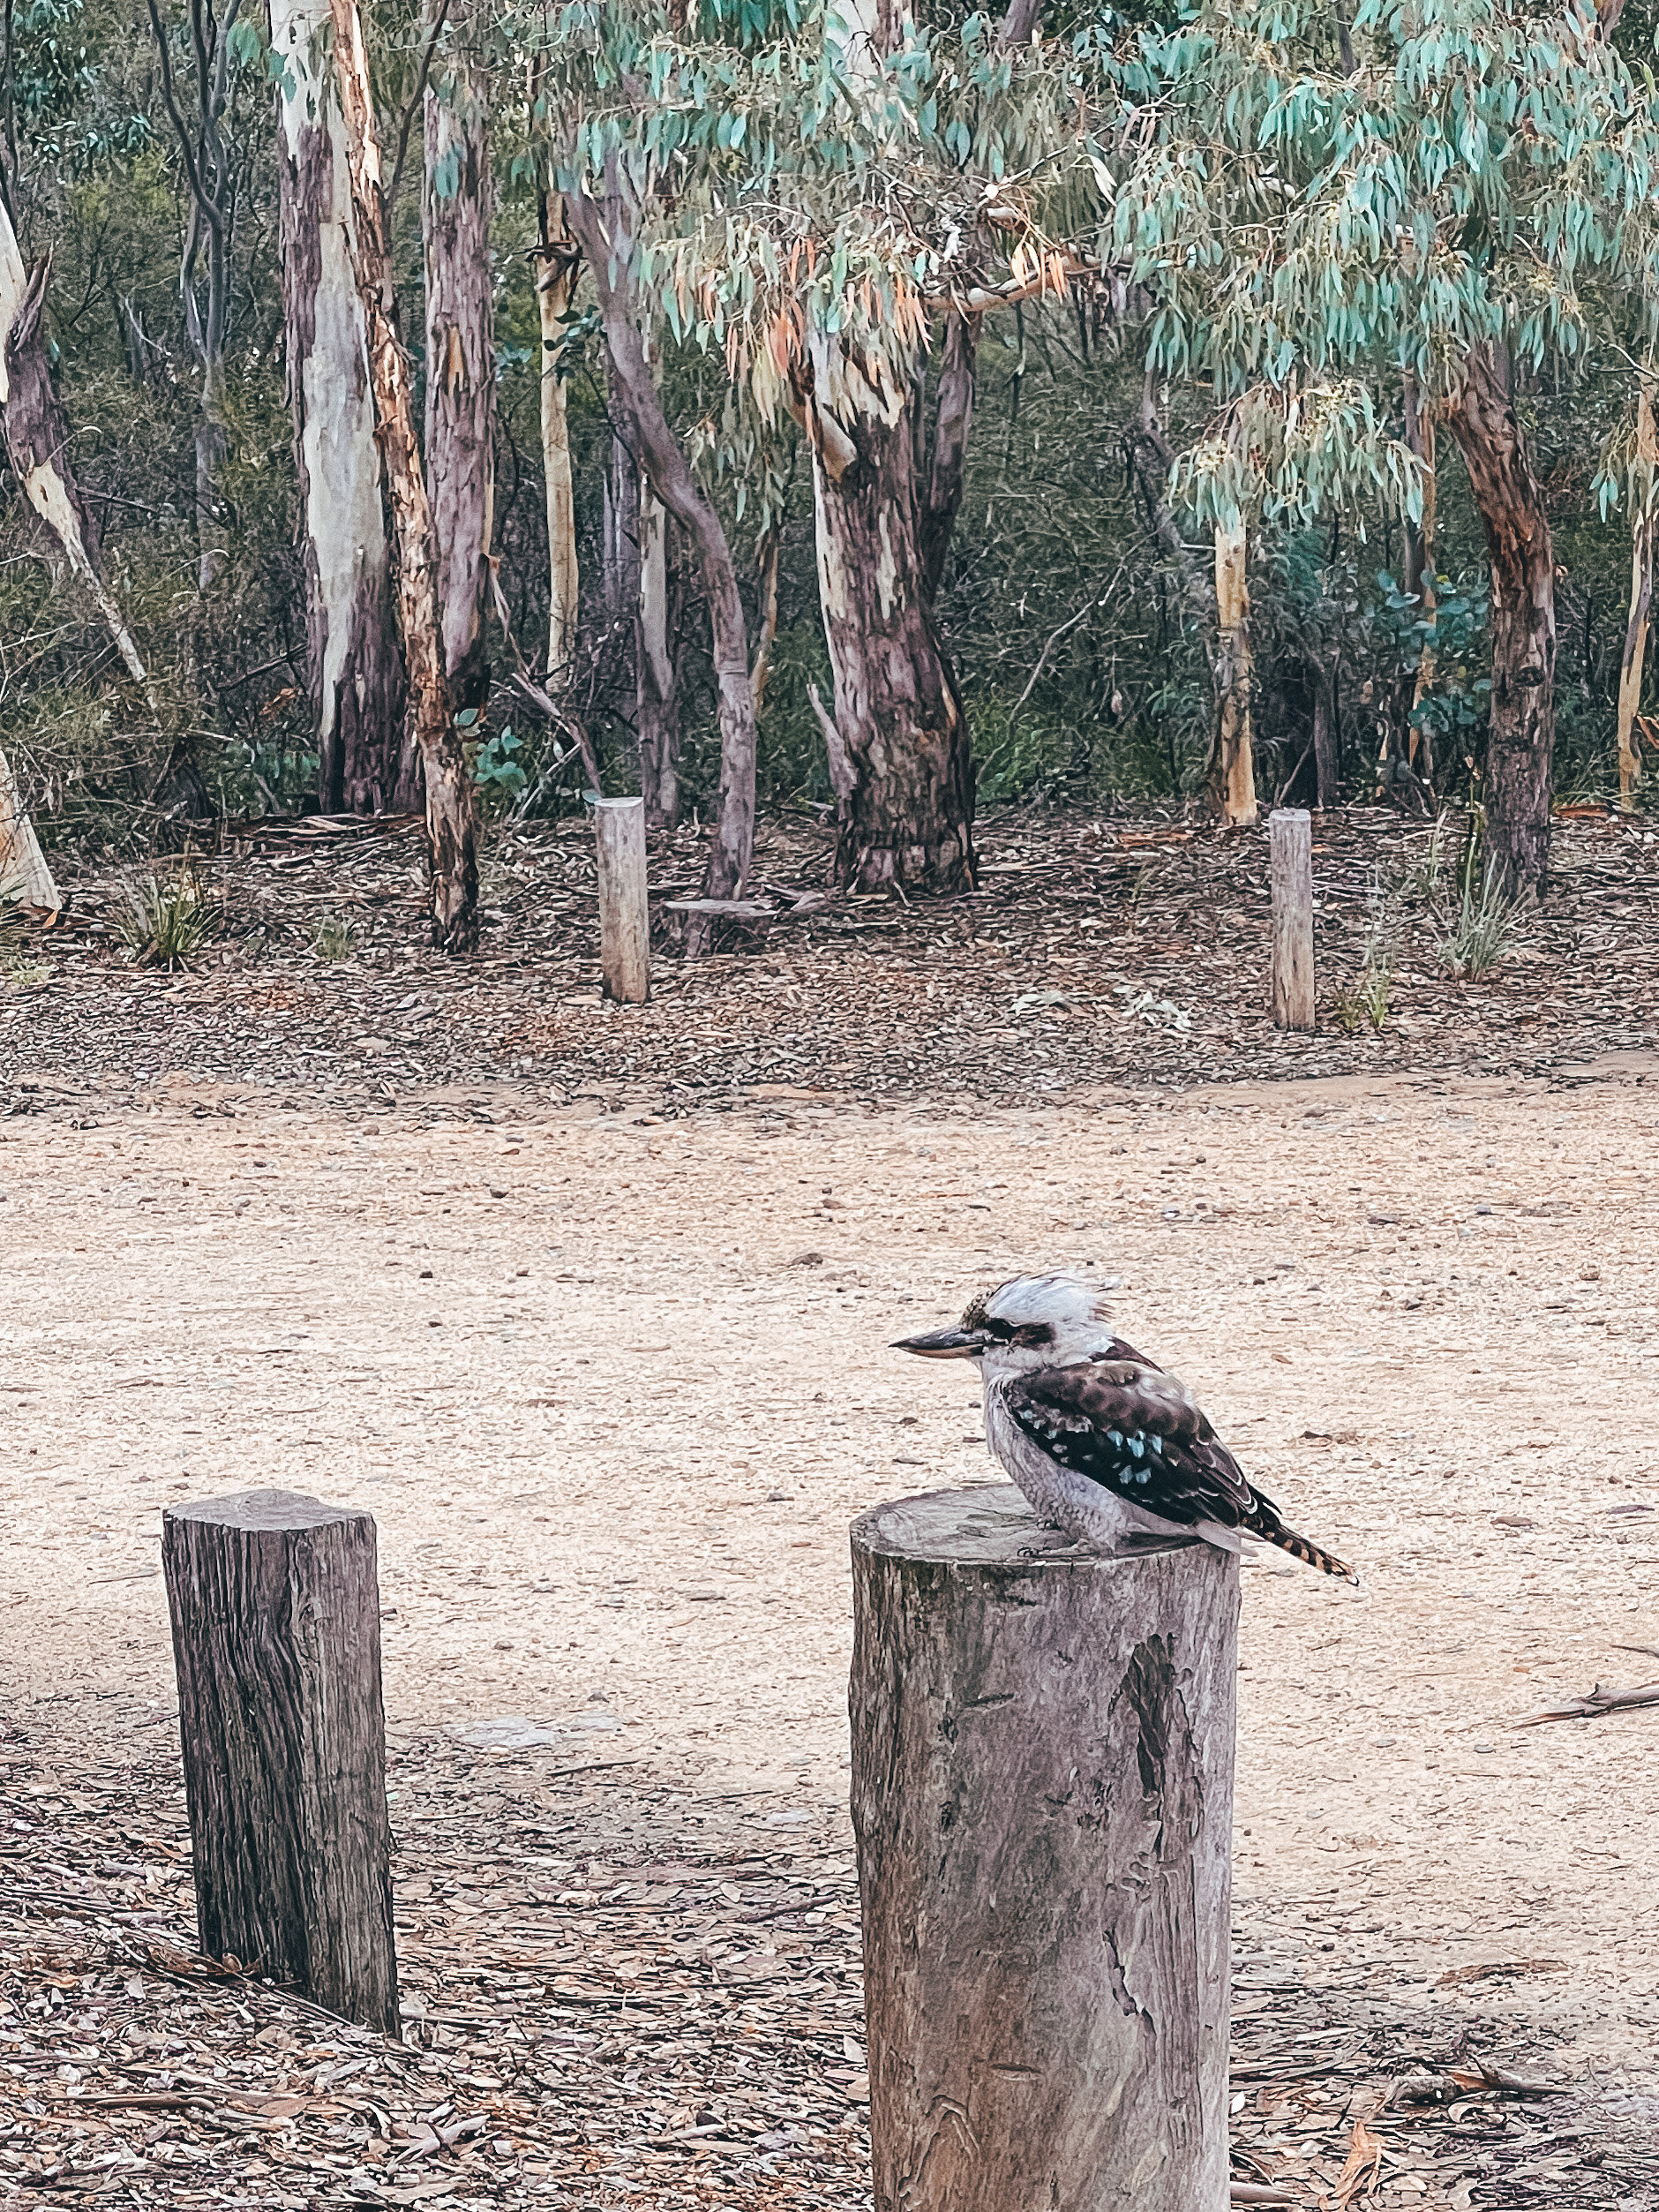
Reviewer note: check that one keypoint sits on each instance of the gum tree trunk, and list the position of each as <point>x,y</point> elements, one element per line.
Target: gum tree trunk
<point>601,227</point>
<point>354,670</point>
<point>451,811</point>
<point>555,286</point>
<point>1522,738</point>
<point>657,700</point>
<point>1233,767</point>
<point>37,439</point>
<point>1641,546</point>
<point>902,762</point>
<point>456,209</point>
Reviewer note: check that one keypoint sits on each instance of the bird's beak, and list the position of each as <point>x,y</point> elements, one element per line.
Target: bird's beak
<point>944,1344</point>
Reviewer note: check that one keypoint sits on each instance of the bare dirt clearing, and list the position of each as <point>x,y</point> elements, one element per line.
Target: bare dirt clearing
<point>614,1385</point>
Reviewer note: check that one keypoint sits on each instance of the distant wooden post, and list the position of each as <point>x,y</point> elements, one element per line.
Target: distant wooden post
<point>1043,1793</point>
<point>1290,849</point>
<point>625,928</point>
<point>276,1634</point>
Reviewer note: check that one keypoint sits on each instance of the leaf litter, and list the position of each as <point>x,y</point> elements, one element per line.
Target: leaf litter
<point>615,1992</point>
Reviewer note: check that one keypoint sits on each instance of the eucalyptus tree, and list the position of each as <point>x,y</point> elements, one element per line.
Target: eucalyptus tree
<point>451,814</point>
<point>211,179</point>
<point>1448,191</point>
<point>354,668</point>
<point>457,201</point>
<point>807,191</point>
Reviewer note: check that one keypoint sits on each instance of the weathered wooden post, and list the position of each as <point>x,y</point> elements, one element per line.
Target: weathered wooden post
<point>1290,849</point>
<point>625,926</point>
<point>276,1634</point>
<point>1043,1793</point>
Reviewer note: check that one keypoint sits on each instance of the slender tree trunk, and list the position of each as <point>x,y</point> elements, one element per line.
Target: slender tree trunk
<point>656,692</point>
<point>1418,580</point>
<point>621,541</point>
<point>905,782</point>
<point>37,439</point>
<point>456,203</point>
<point>1643,519</point>
<point>768,555</point>
<point>213,444</point>
<point>1521,739</point>
<point>366,764</point>
<point>600,229</point>
<point>555,287</point>
<point>1233,767</point>
<point>451,811</point>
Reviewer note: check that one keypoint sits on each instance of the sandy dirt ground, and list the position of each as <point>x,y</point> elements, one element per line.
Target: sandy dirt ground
<point>613,1388</point>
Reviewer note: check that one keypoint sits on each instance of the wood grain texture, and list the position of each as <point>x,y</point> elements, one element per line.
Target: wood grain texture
<point>276,1634</point>
<point>625,929</point>
<point>1042,1785</point>
<point>1290,844</point>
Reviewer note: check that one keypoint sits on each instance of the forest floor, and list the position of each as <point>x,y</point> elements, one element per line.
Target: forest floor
<point>603,1347</point>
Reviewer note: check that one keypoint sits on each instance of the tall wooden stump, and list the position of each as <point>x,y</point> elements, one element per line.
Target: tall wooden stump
<point>276,1633</point>
<point>625,926</point>
<point>1290,850</point>
<point>1042,1792</point>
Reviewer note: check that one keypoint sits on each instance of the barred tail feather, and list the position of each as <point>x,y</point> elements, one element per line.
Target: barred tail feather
<point>1264,1521</point>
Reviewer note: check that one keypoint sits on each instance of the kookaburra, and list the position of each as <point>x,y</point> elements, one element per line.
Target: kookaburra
<point>1101,1440</point>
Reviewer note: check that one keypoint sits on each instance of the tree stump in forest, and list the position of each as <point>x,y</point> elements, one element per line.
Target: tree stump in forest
<point>1290,851</point>
<point>276,1633</point>
<point>625,924</point>
<point>1043,1793</point>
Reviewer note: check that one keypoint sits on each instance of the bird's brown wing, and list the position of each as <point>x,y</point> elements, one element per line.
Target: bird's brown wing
<point>1124,1424</point>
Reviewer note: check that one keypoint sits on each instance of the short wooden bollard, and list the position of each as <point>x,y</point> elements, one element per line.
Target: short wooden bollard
<point>1290,850</point>
<point>276,1634</point>
<point>625,925</point>
<point>1043,1793</point>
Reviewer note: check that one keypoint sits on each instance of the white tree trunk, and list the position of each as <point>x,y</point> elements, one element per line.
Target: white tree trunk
<point>24,875</point>
<point>1235,763</point>
<point>356,678</point>
<point>36,437</point>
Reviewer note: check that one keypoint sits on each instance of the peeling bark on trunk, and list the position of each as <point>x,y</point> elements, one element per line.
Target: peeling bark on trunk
<point>1401,738</point>
<point>1642,527</point>
<point>555,287</point>
<point>657,699</point>
<point>948,456</point>
<point>1233,767</point>
<point>24,874</point>
<point>37,440</point>
<point>1521,739</point>
<point>600,229</point>
<point>456,209</point>
<point>451,811</point>
<point>366,761</point>
<point>905,786</point>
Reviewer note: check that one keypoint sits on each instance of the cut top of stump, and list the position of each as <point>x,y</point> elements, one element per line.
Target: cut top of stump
<point>990,1525</point>
<point>265,1511</point>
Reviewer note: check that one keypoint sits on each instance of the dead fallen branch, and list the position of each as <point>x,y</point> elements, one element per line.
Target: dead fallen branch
<point>1595,1701</point>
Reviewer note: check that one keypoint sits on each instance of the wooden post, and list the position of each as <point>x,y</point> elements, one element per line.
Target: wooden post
<point>625,925</point>
<point>276,1634</point>
<point>1043,1793</point>
<point>1290,846</point>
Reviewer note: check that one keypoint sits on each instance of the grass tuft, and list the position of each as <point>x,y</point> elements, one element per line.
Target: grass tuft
<point>336,938</point>
<point>1479,929</point>
<point>166,922</point>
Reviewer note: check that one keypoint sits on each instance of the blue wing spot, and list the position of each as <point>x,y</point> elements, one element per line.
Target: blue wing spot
<point>1116,1435</point>
<point>1137,1447</point>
